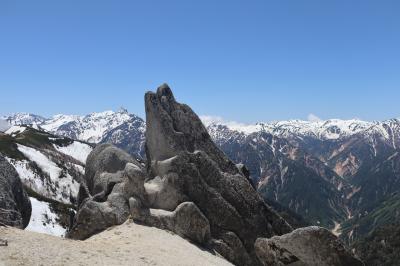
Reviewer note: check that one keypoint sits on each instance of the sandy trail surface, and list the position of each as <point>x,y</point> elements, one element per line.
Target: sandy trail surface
<point>127,244</point>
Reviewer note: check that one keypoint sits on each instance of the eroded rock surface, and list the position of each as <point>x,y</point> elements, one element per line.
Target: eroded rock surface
<point>105,158</point>
<point>115,177</point>
<point>313,246</point>
<point>179,146</point>
<point>15,206</point>
<point>186,220</point>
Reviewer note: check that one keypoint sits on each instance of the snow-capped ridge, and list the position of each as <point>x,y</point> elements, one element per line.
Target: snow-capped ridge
<point>90,128</point>
<point>325,129</point>
<point>24,119</point>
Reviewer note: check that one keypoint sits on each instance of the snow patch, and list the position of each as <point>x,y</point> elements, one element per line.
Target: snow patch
<point>57,184</point>
<point>42,161</point>
<point>61,189</point>
<point>27,176</point>
<point>76,150</point>
<point>43,220</point>
<point>15,130</point>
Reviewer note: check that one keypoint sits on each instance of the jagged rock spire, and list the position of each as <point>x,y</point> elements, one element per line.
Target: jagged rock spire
<point>173,127</point>
<point>181,152</point>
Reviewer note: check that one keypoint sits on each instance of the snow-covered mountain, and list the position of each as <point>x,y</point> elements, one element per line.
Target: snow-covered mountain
<point>51,169</point>
<point>24,119</point>
<point>121,128</point>
<point>335,171</point>
<point>332,129</point>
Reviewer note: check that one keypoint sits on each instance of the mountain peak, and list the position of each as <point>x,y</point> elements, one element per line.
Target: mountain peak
<point>123,110</point>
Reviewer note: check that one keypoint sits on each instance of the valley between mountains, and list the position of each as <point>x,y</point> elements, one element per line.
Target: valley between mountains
<point>340,174</point>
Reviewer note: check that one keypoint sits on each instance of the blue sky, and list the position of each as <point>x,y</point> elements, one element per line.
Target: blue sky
<point>242,60</point>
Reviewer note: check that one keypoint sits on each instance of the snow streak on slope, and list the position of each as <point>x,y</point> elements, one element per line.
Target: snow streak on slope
<point>50,169</point>
<point>29,177</point>
<point>50,181</point>
<point>15,130</point>
<point>42,161</point>
<point>43,220</point>
<point>76,150</point>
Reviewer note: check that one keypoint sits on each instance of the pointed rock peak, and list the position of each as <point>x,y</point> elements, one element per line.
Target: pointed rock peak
<point>181,153</point>
<point>163,86</point>
<point>122,110</point>
<point>165,91</point>
<point>173,127</point>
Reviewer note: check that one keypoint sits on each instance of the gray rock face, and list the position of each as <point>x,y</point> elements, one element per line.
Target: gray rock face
<point>164,191</point>
<point>312,246</point>
<point>178,145</point>
<point>186,220</point>
<point>105,158</point>
<point>122,194</point>
<point>230,246</point>
<point>174,127</point>
<point>15,206</point>
<point>114,177</point>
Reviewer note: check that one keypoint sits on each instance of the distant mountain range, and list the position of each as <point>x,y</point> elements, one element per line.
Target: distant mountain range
<point>334,173</point>
<point>121,128</point>
<point>331,172</point>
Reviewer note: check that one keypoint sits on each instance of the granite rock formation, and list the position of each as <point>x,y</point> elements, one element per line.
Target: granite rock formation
<point>191,188</point>
<point>111,178</point>
<point>180,151</point>
<point>312,246</point>
<point>15,206</point>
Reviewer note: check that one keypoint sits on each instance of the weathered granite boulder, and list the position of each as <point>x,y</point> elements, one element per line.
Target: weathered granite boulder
<point>164,191</point>
<point>312,246</point>
<point>230,246</point>
<point>186,220</point>
<point>178,145</point>
<point>115,177</point>
<point>105,158</point>
<point>15,205</point>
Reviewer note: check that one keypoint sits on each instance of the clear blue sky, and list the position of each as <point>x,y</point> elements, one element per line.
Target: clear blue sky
<point>242,60</point>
